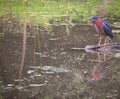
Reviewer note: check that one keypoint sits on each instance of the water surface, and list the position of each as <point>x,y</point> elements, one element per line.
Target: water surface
<point>53,70</point>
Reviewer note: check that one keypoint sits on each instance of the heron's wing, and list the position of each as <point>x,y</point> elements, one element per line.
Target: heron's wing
<point>107,29</point>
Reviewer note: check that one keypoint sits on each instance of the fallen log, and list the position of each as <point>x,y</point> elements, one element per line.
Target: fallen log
<point>112,47</point>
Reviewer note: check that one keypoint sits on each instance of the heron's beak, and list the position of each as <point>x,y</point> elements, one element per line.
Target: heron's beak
<point>89,20</point>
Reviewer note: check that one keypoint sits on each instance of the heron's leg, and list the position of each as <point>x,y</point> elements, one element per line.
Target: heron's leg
<point>99,41</point>
<point>106,39</point>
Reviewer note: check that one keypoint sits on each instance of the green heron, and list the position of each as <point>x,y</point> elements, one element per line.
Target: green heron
<point>103,28</point>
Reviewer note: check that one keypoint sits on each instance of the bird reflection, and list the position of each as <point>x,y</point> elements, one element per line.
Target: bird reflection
<point>99,71</point>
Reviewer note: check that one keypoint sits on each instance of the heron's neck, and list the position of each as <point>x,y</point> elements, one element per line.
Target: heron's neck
<point>98,23</point>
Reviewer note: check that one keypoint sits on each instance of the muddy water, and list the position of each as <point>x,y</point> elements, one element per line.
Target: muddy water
<point>53,69</point>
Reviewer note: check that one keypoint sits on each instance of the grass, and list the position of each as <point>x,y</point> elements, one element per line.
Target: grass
<point>42,11</point>
<point>114,8</point>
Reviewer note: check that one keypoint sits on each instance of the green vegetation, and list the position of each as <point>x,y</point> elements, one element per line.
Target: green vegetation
<point>42,11</point>
<point>114,8</point>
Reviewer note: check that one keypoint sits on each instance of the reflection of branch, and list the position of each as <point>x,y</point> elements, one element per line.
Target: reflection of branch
<point>23,48</point>
<point>23,52</point>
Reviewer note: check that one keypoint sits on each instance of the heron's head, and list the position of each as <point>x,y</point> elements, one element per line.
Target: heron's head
<point>93,18</point>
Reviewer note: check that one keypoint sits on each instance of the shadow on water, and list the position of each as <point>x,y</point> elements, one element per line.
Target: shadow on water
<point>53,71</point>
